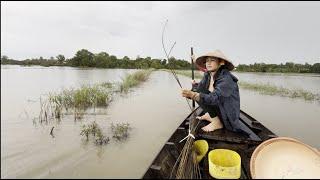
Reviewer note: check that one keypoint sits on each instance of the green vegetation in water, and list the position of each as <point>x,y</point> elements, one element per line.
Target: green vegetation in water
<point>269,89</point>
<point>132,80</point>
<point>94,130</point>
<point>187,73</point>
<point>87,96</point>
<point>120,131</point>
<point>78,100</point>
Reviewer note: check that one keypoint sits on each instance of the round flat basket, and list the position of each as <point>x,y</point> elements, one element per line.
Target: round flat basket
<point>285,158</point>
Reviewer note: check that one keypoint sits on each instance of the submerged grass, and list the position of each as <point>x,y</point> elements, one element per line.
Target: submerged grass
<point>87,96</point>
<point>132,80</point>
<point>267,89</point>
<point>94,130</point>
<point>120,130</point>
<point>55,105</point>
<point>78,100</point>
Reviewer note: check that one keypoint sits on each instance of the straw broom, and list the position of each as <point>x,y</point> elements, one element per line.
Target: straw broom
<point>186,166</point>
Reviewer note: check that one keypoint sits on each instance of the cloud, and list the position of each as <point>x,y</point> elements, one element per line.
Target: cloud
<point>247,32</point>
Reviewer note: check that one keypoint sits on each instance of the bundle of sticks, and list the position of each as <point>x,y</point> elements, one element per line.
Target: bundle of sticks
<point>186,166</point>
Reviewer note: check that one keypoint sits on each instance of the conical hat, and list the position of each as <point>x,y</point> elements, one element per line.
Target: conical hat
<point>201,60</point>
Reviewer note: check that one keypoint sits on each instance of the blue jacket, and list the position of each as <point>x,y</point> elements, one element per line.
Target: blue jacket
<point>225,96</point>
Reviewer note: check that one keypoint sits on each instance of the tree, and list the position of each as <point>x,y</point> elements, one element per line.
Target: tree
<point>4,58</point>
<point>126,58</point>
<point>83,58</point>
<point>156,63</point>
<point>101,60</point>
<point>61,59</point>
<point>315,68</point>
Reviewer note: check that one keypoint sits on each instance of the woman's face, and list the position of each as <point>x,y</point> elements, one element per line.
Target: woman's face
<point>212,64</point>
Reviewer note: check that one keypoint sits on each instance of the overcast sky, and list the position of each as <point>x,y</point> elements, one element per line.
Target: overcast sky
<point>247,32</point>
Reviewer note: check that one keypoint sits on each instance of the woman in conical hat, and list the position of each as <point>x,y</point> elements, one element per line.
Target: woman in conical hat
<point>217,93</point>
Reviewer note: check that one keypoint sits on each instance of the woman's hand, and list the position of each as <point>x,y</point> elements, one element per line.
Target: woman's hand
<point>190,94</point>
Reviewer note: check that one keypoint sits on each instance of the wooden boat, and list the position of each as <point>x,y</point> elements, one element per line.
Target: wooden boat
<point>163,163</point>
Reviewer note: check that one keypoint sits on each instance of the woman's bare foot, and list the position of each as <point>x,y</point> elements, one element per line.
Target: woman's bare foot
<point>206,116</point>
<point>214,125</point>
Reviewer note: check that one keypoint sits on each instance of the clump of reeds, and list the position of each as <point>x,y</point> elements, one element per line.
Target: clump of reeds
<point>120,131</point>
<point>44,108</point>
<point>107,85</point>
<point>78,100</point>
<point>269,89</point>
<point>94,130</point>
<point>134,79</point>
<point>90,96</point>
<point>87,96</point>
<point>101,139</point>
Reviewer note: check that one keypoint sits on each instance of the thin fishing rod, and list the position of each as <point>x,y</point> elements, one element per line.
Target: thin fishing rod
<point>172,71</point>
<point>167,55</point>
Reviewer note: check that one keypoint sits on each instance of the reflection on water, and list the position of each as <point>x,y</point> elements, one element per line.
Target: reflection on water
<point>154,110</point>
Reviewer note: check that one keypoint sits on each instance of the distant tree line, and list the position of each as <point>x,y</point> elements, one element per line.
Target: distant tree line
<point>282,68</point>
<point>85,58</point>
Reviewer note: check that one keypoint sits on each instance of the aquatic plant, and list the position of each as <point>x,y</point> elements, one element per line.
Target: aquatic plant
<point>269,89</point>
<point>120,131</point>
<point>100,138</point>
<point>87,96</point>
<point>94,130</point>
<point>134,79</point>
<point>79,100</point>
<point>85,131</point>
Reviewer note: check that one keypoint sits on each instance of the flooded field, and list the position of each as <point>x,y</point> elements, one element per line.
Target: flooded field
<point>154,110</point>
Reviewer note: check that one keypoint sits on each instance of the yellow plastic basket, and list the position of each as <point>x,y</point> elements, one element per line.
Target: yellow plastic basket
<point>224,164</point>
<point>201,147</point>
